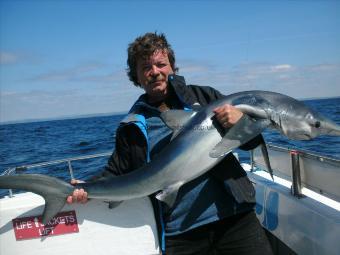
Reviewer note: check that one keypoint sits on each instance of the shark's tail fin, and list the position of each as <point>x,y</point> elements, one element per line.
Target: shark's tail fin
<point>53,190</point>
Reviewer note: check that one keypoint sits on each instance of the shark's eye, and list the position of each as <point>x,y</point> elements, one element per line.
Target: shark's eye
<point>317,124</point>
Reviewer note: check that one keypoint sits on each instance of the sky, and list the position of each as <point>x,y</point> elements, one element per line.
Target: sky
<point>68,58</point>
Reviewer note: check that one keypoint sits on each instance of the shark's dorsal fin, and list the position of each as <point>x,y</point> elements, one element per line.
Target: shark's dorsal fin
<point>176,119</point>
<point>243,131</point>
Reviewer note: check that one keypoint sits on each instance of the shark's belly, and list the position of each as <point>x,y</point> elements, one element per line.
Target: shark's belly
<point>181,161</point>
<point>192,158</point>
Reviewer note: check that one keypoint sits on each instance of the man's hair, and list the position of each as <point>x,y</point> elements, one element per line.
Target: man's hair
<point>142,48</point>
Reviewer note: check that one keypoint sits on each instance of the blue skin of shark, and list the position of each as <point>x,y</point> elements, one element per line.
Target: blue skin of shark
<point>197,145</point>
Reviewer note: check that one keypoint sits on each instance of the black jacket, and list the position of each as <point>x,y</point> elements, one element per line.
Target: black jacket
<point>131,146</point>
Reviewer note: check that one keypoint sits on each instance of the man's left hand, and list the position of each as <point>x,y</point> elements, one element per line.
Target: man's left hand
<point>227,115</point>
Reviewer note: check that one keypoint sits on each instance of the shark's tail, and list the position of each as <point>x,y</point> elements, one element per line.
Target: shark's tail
<point>53,190</point>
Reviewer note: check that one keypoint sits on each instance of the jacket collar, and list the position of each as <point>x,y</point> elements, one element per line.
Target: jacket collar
<point>181,89</point>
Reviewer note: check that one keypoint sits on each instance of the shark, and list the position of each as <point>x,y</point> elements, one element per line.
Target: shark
<point>198,143</point>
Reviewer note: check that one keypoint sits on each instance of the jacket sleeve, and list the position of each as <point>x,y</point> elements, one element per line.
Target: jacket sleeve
<point>129,154</point>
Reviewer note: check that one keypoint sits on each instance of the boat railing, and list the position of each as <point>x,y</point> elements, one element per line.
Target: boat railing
<point>304,169</point>
<point>67,161</point>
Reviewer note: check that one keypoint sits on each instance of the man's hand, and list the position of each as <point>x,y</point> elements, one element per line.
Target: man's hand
<point>78,195</point>
<point>227,115</point>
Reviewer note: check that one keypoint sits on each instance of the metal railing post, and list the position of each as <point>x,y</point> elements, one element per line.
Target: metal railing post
<point>296,174</point>
<point>10,193</point>
<point>70,169</point>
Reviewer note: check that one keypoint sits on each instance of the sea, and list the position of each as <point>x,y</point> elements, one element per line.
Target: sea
<point>23,144</point>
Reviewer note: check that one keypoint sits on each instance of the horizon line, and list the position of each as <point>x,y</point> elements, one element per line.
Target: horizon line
<point>81,116</point>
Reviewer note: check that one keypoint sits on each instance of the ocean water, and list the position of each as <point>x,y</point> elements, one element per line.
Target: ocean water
<point>30,143</point>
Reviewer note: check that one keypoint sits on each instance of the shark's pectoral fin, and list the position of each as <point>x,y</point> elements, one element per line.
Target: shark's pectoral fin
<point>53,205</point>
<point>169,194</point>
<point>243,131</point>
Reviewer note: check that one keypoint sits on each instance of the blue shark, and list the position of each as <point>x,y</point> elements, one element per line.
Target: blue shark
<point>198,143</point>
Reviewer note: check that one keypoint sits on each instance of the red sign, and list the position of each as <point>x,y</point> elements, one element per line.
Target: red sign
<point>31,227</point>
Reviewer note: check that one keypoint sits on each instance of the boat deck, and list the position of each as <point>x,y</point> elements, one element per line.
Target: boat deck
<point>300,209</point>
<point>129,228</point>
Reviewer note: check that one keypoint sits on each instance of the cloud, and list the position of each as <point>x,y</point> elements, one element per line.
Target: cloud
<point>70,74</point>
<point>283,67</point>
<point>19,57</point>
<point>193,67</point>
<point>113,92</point>
<point>94,73</point>
<point>41,104</point>
<point>109,77</point>
<point>320,80</point>
<point>8,58</point>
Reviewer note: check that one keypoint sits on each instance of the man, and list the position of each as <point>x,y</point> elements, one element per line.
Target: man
<point>207,217</point>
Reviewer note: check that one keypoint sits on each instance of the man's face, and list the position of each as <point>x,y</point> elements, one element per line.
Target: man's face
<point>153,75</point>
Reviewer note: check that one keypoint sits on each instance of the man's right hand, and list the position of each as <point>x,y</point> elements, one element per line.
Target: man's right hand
<point>78,195</point>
